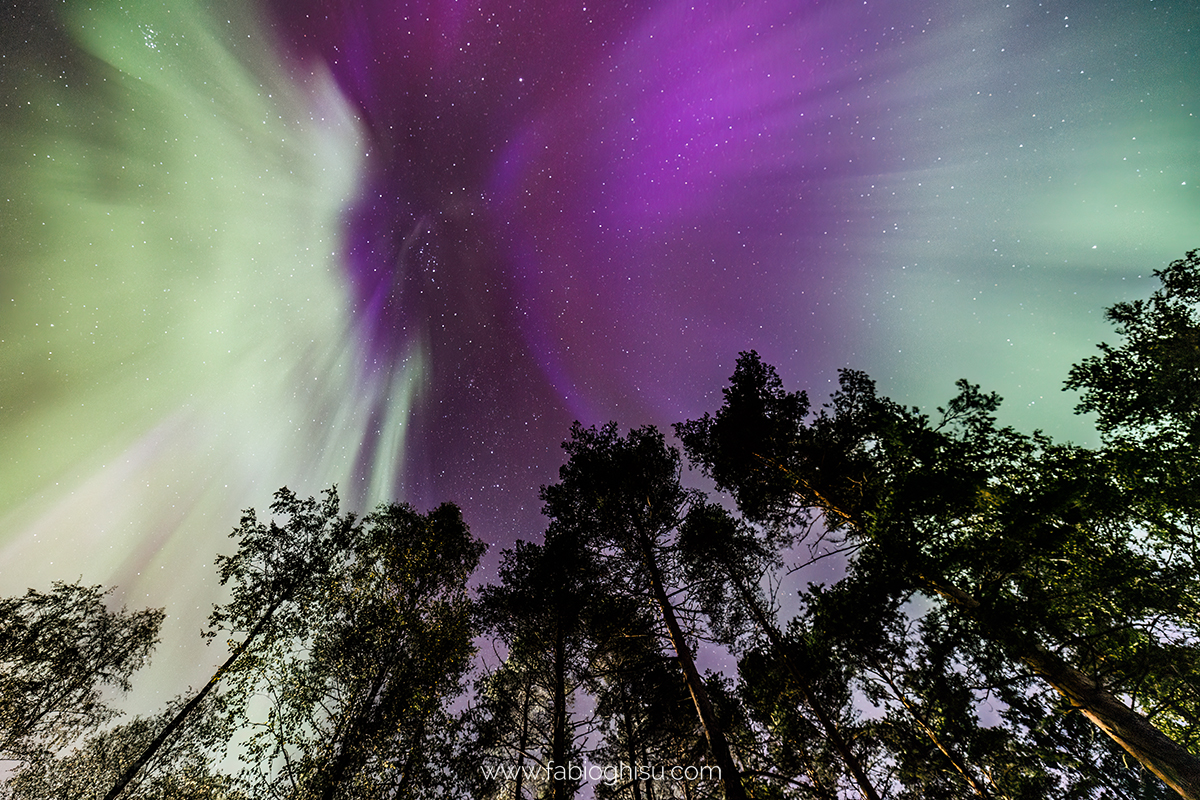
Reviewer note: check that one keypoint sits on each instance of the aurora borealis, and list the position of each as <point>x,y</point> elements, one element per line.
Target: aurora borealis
<point>400,246</point>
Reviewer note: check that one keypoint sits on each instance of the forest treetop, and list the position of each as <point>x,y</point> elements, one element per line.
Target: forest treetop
<point>1018,617</point>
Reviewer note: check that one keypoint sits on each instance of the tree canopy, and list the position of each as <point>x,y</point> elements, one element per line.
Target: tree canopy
<point>1008,616</point>
<point>60,652</point>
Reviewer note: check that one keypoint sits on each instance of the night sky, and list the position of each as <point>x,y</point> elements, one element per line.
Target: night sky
<point>399,246</point>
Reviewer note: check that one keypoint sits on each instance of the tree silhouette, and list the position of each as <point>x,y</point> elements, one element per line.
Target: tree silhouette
<point>276,573</point>
<point>623,497</point>
<point>1031,543</point>
<point>60,652</point>
<point>359,687</point>
<point>539,612</point>
<point>725,562</point>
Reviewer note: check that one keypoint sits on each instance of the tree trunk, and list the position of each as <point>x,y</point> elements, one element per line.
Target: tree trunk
<point>523,739</point>
<point>1174,764</point>
<point>631,747</point>
<point>834,735</point>
<point>649,778</point>
<point>715,737</point>
<point>178,720</point>
<point>329,781</point>
<point>558,744</point>
<point>959,765</point>
<point>416,750</point>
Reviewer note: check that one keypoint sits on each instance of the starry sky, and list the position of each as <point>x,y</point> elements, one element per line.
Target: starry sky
<point>400,246</point>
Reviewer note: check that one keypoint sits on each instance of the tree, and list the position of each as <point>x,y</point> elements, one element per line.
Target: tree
<point>508,724</point>
<point>745,447</point>
<point>1035,545</point>
<point>182,769</point>
<point>797,752</point>
<point>276,573</point>
<point>644,709</point>
<point>726,562</point>
<point>540,612</point>
<point>359,686</point>
<point>623,497</point>
<point>932,681</point>
<point>1146,390</point>
<point>358,633</point>
<point>60,652</point>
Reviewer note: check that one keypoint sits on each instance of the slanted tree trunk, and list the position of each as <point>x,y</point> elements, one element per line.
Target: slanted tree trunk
<point>1176,766</point>
<point>805,688</point>
<point>649,778</point>
<point>630,743</point>
<point>416,748</point>
<point>959,765</point>
<point>523,739</point>
<point>1173,764</point>
<point>713,734</point>
<point>362,721</point>
<point>132,770</point>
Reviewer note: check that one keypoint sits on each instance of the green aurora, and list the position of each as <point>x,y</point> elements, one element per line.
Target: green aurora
<point>177,337</point>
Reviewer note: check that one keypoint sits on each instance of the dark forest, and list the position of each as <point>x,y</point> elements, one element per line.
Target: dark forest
<point>1014,617</point>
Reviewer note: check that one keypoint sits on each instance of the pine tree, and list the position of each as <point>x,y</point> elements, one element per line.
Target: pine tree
<point>1045,551</point>
<point>622,496</point>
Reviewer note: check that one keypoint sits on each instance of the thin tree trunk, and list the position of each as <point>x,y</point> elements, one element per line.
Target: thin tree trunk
<point>349,741</point>
<point>958,764</point>
<point>627,717</point>
<point>178,720</point>
<point>523,740</point>
<point>415,751</point>
<point>558,745</point>
<point>717,743</point>
<point>835,737</point>
<point>649,778</point>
